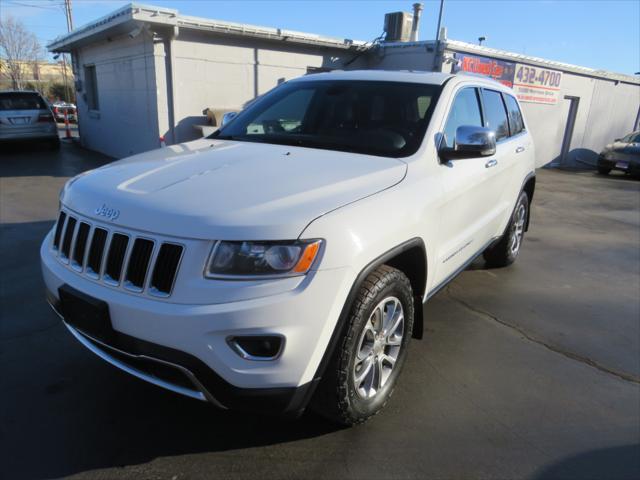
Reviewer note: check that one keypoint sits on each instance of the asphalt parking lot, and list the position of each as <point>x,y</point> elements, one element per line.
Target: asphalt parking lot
<point>532,371</point>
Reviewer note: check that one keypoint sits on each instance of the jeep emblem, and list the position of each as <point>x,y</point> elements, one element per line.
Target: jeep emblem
<point>110,213</point>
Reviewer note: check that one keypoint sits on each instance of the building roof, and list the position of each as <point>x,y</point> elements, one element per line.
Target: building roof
<point>463,47</point>
<point>127,18</point>
<point>408,76</point>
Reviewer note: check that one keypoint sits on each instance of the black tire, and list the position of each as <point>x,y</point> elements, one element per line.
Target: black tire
<point>338,398</point>
<point>502,253</point>
<point>54,144</point>
<point>603,170</point>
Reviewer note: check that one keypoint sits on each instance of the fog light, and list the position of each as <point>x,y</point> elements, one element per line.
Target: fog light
<point>257,347</point>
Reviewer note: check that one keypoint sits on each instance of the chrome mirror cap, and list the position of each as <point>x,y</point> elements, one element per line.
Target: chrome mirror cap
<point>471,142</point>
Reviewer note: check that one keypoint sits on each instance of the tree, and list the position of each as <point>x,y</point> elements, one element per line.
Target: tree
<point>19,50</point>
<point>60,91</point>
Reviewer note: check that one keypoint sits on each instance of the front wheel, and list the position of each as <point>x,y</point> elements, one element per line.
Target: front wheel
<point>368,360</point>
<point>603,170</point>
<point>506,250</point>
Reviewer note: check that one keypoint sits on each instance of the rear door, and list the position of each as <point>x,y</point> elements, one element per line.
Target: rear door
<point>513,147</point>
<point>470,192</point>
<point>500,173</point>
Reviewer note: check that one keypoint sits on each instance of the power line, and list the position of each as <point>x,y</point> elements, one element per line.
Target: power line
<point>52,6</point>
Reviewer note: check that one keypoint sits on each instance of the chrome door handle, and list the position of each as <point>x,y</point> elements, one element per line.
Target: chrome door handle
<point>519,149</point>
<point>491,163</point>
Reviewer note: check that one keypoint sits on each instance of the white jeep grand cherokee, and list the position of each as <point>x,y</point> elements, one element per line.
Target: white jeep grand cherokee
<point>284,261</point>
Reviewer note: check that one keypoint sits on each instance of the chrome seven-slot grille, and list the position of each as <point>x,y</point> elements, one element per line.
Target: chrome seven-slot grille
<point>117,258</point>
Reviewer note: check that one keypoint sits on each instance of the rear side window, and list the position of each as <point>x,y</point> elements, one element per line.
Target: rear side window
<point>495,113</point>
<point>516,124</point>
<point>21,101</point>
<point>464,111</point>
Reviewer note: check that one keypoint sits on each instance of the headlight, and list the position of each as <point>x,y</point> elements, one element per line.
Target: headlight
<point>261,259</point>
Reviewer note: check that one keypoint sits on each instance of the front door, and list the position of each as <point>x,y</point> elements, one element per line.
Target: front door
<point>467,211</point>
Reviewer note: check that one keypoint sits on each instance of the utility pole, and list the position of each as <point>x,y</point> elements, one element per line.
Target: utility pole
<point>68,14</point>
<point>437,52</point>
<point>67,11</point>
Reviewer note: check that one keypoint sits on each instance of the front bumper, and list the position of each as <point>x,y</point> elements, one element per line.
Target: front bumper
<point>614,162</point>
<point>190,339</point>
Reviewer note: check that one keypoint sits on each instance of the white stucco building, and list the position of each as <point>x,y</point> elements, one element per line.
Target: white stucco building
<point>148,72</point>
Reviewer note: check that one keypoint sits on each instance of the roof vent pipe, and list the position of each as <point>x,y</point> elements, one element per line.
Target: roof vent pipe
<point>417,10</point>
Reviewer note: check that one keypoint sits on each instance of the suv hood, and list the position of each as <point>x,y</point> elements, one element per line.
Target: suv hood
<point>226,190</point>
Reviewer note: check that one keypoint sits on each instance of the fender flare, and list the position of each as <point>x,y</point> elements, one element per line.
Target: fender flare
<point>340,326</point>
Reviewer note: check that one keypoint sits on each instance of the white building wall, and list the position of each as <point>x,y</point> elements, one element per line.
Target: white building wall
<point>614,109</point>
<point>225,72</point>
<point>547,122</point>
<point>127,120</point>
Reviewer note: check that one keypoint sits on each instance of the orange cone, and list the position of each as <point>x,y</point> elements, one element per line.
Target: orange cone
<point>66,124</point>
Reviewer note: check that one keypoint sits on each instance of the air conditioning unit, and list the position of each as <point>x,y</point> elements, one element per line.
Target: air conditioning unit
<point>397,26</point>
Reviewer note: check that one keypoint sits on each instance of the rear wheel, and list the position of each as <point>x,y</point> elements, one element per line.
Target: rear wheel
<point>506,250</point>
<point>603,170</point>
<point>367,362</point>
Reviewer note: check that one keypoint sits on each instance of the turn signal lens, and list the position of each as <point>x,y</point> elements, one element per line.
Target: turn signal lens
<point>307,258</point>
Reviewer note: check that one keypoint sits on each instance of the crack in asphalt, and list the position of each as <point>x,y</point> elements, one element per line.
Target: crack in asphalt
<point>554,348</point>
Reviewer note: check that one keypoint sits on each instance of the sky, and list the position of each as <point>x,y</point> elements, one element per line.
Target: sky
<point>602,34</point>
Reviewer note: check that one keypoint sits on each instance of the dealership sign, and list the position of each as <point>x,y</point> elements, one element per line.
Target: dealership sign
<point>530,84</point>
<point>537,85</point>
<point>499,70</point>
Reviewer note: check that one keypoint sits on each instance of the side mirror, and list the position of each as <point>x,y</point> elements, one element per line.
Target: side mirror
<point>618,140</point>
<point>471,142</point>
<point>227,117</point>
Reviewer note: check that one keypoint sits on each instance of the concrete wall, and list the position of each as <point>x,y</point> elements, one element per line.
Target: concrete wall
<point>606,109</point>
<point>127,120</point>
<point>225,72</point>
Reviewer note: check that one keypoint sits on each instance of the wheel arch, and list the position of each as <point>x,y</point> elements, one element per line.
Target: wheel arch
<point>398,257</point>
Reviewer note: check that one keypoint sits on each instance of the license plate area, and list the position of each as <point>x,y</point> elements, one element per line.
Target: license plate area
<point>623,165</point>
<point>85,313</point>
<point>19,120</point>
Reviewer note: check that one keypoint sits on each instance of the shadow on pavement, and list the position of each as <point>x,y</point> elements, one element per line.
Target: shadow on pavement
<point>615,463</point>
<point>30,159</point>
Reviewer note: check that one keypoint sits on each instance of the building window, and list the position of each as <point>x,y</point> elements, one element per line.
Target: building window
<point>91,87</point>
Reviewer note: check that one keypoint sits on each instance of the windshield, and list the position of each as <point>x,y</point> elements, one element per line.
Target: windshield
<point>632,138</point>
<point>377,118</point>
<point>21,101</point>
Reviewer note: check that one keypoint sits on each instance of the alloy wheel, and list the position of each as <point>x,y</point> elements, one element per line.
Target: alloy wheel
<point>378,347</point>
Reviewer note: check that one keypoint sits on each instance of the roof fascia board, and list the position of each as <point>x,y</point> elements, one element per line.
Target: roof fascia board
<point>169,17</point>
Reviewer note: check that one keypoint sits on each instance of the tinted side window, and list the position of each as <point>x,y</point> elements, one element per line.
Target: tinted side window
<point>495,113</point>
<point>464,111</point>
<point>516,124</point>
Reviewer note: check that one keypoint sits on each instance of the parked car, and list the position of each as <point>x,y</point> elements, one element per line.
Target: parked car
<point>623,154</point>
<point>26,116</point>
<point>284,261</point>
<point>59,110</point>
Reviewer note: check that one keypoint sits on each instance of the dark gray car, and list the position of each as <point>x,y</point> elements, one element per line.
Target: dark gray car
<point>623,154</point>
<point>25,116</point>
